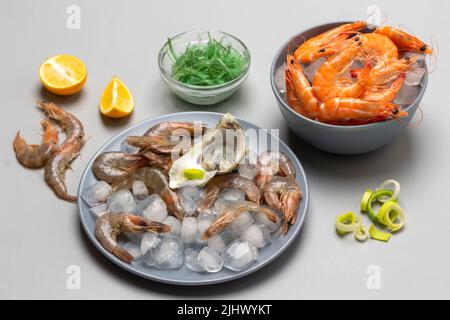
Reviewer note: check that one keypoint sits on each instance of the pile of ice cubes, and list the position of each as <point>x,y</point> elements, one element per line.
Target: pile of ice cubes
<point>235,248</point>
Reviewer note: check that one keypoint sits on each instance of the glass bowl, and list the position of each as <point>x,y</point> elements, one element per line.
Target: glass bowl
<point>201,95</point>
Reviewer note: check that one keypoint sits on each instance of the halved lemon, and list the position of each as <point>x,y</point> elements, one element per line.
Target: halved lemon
<point>117,100</point>
<point>63,74</point>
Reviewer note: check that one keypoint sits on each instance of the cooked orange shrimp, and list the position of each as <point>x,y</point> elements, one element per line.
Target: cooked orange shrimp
<point>57,165</point>
<point>383,74</point>
<point>299,90</point>
<point>231,180</point>
<point>384,93</point>
<point>328,82</point>
<point>378,47</point>
<point>271,163</point>
<point>352,111</point>
<point>284,194</point>
<point>165,137</point>
<point>109,226</point>
<point>327,43</point>
<point>404,41</point>
<point>232,212</point>
<point>35,156</point>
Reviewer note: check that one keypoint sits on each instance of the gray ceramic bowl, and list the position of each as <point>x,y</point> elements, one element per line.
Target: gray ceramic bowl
<point>332,138</point>
<point>184,276</point>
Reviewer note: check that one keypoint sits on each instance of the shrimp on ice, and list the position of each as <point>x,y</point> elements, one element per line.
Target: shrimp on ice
<point>386,93</point>
<point>404,41</point>
<point>231,180</point>
<point>36,156</point>
<point>232,212</point>
<point>109,226</point>
<point>329,81</point>
<point>168,137</point>
<point>327,43</point>
<point>299,91</point>
<point>156,182</point>
<point>114,166</point>
<point>353,111</point>
<point>284,194</point>
<point>271,163</point>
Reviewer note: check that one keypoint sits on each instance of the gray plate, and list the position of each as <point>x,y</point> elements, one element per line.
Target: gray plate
<point>184,276</point>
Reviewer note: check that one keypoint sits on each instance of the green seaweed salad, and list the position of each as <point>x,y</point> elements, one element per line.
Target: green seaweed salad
<point>210,64</point>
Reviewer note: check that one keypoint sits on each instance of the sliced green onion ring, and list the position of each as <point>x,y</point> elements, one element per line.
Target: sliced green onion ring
<point>375,196</point>
<point>378,235</point>
<point>365,200</point>
<point>389,213</point>
<point>361,234</point>
<point>396,190</point>
<point>348,222</point>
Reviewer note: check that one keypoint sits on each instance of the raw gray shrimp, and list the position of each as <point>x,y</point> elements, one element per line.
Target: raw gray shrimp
<point>60,161</point>
<point>114,166</point>
<point>232,180</point>
<point>157,183</point>
<point>55,169</point>
<point>68,122</point>
<point>284,194</point>
<point>36,156</point>
<point>109,226</point>
<point>159,138</point>
<point>232,212</point>
<point>160,161</point>
<point>272,163</point>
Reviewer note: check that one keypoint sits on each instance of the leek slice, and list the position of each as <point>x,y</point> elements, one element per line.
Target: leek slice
<point>361,234</point>
<point>389,213</point>
<point>347,222</point>
<point>396,190</point>
<point>375,196</point>
<point>378,235</point>
<point>365,200</point>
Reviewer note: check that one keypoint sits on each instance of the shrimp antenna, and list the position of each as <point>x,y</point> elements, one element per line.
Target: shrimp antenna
<point>435,55</point>
<point>414,125</point>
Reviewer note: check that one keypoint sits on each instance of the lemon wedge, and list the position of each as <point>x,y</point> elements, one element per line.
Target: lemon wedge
<point>63,74</point>
<point>194,174</point>
<point>117,100</point>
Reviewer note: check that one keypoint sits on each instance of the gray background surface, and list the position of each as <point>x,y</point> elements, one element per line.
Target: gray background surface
<point>41,236</point>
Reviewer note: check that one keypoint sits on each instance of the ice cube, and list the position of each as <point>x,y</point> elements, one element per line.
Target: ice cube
<point>239,255</point>
<point>221,204</point>
<point>122,201</point>
<point>99,210</point>
<point>241,222</point>
<point>258,235</point>
<point>219,242</point>
<point>272,226</point>
<point>232,194</point>
<point>97,193</point>
<point>204,220</point>
<point>167,254</point>
<point>407,94</point>
<point>175,225</point>
<point>188,229</point>
<point>191,261</point>
<point>279,78</point>
<point>210,260</point>
<point>149,240</point>
<point>127,148</point>
<point>134,249</point>
<point>154,208</point>
<point>311,68</point>
<point>189,197</point>
<point>139,190</point>
<point>248,167</point>
<point>414,77</point>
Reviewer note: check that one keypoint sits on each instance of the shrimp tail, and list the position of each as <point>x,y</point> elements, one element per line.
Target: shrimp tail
<point>123,254</point>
